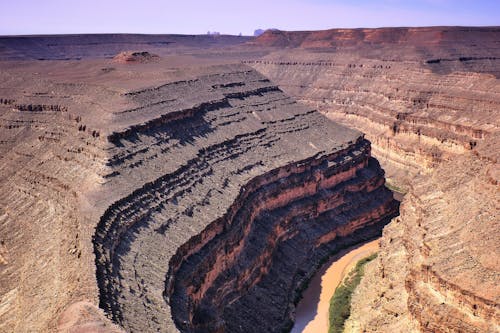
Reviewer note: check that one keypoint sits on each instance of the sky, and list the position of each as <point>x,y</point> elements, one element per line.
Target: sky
<point>234,17</point>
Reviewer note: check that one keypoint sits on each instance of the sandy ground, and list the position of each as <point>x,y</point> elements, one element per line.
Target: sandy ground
<point>312,311</point>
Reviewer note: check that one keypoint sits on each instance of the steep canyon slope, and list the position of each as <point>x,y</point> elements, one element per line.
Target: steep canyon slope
<point>421,95</point>
<point>176,198</point>
<point>429,100</point>
<point>438,270</point>
<point>200,246</point>
<point>190,193</point>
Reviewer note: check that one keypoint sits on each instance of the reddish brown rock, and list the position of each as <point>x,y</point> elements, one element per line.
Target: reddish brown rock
<point>434,37</point>
<point>438,266</point>
<point>128,57</point>
<point>85,317</point>
<point>387,83</point>
<point>427,98</point>
<point>194,186</point>
<point>134,173</point>
<point>211,227</point>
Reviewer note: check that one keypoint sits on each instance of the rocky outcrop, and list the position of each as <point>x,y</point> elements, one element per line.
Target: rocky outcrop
<point>376,81</point>
<point>437,45</point>
<point>204,197</point>
<point>85,317</point>
<point>433,275</point>
<point>129,57</point>
<point>281,230</point>
<point>40,108</point>
<point>429,107</point>
<point>235,205</point>
<point>46,166</point>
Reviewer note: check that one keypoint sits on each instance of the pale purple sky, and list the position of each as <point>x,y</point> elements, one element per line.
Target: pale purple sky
<point>233,17</point>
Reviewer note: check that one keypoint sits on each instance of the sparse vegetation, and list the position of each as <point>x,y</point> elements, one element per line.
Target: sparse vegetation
<point>340,304</point>
<point>395,188</point>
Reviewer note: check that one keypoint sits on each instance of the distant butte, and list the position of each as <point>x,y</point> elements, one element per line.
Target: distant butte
<point>426,36</point>
<point>128,57</point>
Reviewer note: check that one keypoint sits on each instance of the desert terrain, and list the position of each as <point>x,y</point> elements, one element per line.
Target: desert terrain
<point>312,313</point>
<point>176,183</point>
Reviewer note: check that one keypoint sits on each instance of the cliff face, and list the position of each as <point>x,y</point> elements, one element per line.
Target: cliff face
<point>47,164</point>
<point>223,192</point>
<point>438,266</point>
<point>388,83</point>
<point>430,107</point>
<point>282,227</point>
<point>424,37</point>
<point>179,200</point>
<point>203,198</point>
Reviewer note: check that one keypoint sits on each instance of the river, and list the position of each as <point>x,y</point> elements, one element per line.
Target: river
<point>312,310</point>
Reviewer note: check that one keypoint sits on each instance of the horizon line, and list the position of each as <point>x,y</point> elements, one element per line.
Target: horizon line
<point>237,35</point>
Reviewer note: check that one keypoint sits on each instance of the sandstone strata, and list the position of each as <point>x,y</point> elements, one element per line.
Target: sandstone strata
<point>432,275</point>
<point>187,189</point>
<point>384,82</point>
<point>242,206</point>
<point>185,192</point>
<point>428,100</point>
<point>48,160</point>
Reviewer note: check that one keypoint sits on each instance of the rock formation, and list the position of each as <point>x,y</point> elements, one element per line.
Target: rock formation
<point>128,57</point>
<point>433,275</point>
<point>430,107</point>
<point>48,163</point>
<point>385,83</point>
<point>242,205</point>
<point>192,194</point>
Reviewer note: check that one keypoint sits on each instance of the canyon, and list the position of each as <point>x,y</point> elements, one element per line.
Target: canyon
<point>428,100</point>
<point>388,83</point>
<point>196,185</point>
<point>313,313</point>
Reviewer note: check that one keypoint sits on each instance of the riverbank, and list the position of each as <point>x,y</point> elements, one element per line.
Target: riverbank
<point>312,310</point>
<point>340,304</point>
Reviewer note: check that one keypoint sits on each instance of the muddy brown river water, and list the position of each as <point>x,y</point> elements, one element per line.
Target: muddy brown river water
<point>312,311</point>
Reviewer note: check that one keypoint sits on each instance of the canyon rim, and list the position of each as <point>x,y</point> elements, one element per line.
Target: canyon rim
<point>170,183</point>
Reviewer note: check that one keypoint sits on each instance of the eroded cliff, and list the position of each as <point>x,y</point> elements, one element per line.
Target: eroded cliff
<point>416,112</point>
<point>438,266</point>
<point>176,199</point>
<point>428,100</point>
<point>48,163</point>
<point>216,196</point>
<point>249,197</point>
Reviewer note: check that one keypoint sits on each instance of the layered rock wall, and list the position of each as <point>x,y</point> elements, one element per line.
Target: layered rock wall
<point>216,196</point>
<point>46,164</point>
<point>433,275</point>
<point>421,95</point>
<point>230,198</point>
<point>428,100</point>
<point>280,231</point>
<point>413,124</point>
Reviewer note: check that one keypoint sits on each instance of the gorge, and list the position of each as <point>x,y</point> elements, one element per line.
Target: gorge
<point>199,186</point>
<point>433,122</point>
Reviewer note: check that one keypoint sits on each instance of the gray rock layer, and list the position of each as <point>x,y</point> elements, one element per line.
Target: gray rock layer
<point>252,192</point>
